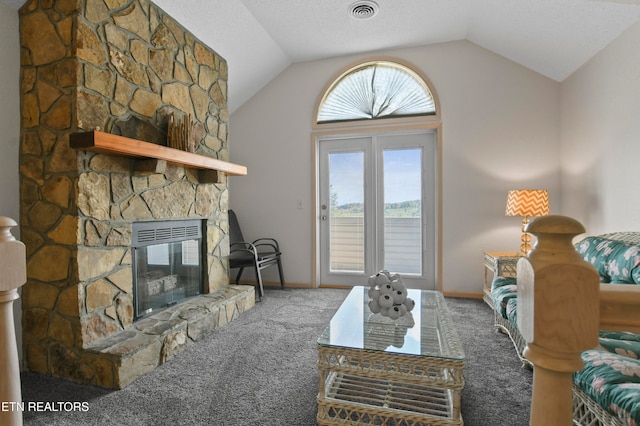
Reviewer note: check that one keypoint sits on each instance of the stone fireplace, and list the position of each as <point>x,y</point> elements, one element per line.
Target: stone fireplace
<point>122,67</point>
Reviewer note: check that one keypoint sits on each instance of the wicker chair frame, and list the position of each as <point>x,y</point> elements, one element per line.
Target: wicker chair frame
<point>504,326</point>
<point>588,413</point>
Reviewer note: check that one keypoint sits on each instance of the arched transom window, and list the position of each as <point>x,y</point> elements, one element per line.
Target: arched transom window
<point>375,90</point>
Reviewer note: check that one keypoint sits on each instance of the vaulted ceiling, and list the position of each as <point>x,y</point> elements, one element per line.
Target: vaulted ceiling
<point>260,38</point>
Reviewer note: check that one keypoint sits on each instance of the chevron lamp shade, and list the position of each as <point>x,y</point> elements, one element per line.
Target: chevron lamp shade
<point>527,202</point>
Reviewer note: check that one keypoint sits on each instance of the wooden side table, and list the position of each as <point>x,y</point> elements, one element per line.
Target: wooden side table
<point>498,263</point>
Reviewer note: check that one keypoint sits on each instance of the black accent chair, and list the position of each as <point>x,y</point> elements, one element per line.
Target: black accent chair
<point>259,254</point>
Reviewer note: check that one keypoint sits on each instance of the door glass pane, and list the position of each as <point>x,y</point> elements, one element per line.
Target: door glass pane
<point>346,212</point>
<point>403,210</point>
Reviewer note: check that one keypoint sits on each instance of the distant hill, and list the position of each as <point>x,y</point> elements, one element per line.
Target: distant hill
<point>399,209</point>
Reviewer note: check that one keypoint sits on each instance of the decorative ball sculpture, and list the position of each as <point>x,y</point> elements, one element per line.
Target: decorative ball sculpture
<point>389,295</point>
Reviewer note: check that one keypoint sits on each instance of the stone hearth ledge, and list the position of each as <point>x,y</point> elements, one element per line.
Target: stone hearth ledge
<point>125,356</point>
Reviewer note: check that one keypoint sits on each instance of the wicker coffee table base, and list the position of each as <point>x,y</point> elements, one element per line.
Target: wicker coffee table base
<point>363,387</point>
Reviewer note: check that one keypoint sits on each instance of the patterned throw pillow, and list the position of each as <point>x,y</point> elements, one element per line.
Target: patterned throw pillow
<point>623,263</point>
<point>615,261</point>
<point>595,250</point>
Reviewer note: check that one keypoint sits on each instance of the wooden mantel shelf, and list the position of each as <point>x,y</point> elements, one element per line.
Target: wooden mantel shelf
<point>107,143</point>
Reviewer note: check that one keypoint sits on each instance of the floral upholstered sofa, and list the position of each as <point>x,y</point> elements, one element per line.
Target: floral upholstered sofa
<point>607,390</point>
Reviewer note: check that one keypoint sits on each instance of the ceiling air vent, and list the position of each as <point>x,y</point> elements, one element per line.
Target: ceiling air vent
<point>363,9</point>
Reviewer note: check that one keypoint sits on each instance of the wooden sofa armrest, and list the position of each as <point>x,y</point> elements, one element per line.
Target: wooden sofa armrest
<point>619,304</point>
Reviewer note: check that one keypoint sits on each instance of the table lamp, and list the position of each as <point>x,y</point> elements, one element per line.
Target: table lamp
<point>527,203</point>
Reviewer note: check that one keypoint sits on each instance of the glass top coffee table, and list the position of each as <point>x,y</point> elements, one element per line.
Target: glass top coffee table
<point>378,371</point>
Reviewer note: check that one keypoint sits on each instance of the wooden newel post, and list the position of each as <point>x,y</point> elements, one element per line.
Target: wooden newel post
<point>558,315</point>
<point>13,274</point>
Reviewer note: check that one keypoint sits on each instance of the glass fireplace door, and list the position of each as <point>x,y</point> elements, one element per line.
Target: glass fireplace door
<point>167,265</point>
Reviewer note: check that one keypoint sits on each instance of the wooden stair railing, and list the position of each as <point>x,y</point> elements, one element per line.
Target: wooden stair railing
<point>619,305</point>
<point>13,274</point>
<point>558,316</point>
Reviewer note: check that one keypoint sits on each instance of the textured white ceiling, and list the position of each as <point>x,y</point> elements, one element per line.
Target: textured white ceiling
<point>260,38</point>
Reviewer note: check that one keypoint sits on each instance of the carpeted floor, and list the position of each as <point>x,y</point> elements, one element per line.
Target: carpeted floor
<point>261,370</point>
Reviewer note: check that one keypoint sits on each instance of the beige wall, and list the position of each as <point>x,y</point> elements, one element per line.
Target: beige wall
<point>10,127</point>
<point>500,132</point>
<point>10,112</point>
<point>600,138</point>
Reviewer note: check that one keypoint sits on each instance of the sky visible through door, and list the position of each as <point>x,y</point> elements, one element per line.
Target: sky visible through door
<point>402,178</point>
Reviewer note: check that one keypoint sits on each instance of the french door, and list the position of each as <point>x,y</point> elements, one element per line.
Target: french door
<point>377,208</point>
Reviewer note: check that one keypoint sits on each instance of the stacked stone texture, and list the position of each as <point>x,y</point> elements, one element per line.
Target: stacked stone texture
<point>97,65</point>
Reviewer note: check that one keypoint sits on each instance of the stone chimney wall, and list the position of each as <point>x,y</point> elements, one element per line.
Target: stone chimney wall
<point>120,66</point>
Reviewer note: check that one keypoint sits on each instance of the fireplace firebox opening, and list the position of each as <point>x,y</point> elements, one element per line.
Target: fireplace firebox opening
<point>167,264</point>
